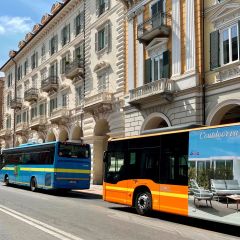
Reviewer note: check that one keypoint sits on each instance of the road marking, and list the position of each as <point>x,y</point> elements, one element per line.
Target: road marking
<point>39,225</point>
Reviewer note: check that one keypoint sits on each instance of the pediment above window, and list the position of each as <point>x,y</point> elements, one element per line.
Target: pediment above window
<point>102,66</point>
<point>157,46</point>
<point>225,14</point>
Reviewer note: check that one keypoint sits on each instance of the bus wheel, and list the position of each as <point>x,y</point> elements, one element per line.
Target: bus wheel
<point>6,180</point>
<point>33,184</point>
<point>143,203</point>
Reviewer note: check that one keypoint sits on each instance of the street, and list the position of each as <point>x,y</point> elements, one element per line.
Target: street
<point>81,216</point>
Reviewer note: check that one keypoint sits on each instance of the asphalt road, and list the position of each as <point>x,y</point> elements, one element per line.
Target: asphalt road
<point>81,216</point>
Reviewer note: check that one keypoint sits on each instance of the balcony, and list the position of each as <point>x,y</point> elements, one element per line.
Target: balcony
<point>160,90</point>
<point>21,128</point>
<point>60,115</point>
<point>5,133</point>
<point>100,102</point>
<point>75,68</point>
<point>31,94</point>
<point>16,103</point>
<point>155,26</point>
<point>37,122</point>
<point>49,84</point>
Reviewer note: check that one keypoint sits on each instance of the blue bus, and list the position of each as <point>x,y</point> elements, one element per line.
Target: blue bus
<point>51,165</point>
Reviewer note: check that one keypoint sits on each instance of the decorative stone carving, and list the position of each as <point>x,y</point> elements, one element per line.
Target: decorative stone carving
<point>229,73</point>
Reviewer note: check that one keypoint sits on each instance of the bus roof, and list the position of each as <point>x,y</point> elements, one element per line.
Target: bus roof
<point>172,130</point>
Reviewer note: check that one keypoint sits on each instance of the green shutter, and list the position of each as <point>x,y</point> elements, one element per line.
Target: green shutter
<point>165,65</point>
<point>148,71</point>
<point>214,50</point>
<point>239,38</point>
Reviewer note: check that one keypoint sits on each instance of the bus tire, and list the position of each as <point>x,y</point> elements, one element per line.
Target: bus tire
<point>143,202</point>
<point>33,184</point>
<point>6,180</point>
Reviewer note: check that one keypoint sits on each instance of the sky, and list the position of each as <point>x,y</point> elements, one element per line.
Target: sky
<point>17,17</point>
<point>215,143</point>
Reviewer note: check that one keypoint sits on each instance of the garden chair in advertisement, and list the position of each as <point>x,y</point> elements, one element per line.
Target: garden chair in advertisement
<point>200,193</point>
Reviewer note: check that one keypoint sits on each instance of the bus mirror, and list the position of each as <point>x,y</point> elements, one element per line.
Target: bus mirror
<point>105,156</point>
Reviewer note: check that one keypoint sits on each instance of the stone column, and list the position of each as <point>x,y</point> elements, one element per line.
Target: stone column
<point>176,38</point>
<point>190,36</point>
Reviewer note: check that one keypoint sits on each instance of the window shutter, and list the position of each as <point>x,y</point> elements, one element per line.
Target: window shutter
<point>239,39</point>
<point>82,21</point>
<point>106,35</point>
<point>36,56</point>
<point>96,41</point>
<point>166,65</point>
<point>61,69</point>
<point>56,43</point>
<point>97,7</point>
<point>148,71</point>
<point>75,26</point>
<point>107,4</point>
<point>69,34</point>
<point>62,36</point>
<point>214,50</point>
<point>50,47</point>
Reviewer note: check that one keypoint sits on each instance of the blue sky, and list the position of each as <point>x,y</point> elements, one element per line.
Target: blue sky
<point>204,147</point>
<point>17,17</point>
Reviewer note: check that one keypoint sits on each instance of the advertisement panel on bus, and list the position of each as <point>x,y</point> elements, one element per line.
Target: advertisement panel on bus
<point>214,174</point>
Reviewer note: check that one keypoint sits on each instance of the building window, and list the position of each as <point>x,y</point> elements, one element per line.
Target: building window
<point>43,52</point>
<point>25,117</point>
<point>79,23</point>
<point>79,95</point>
<point>229,45</point>
<point>9,98</point>
<point>34,60</point>
<point>102,6</point>
<point>102,82</point>
<point>102,38</point>
<point>64,62</point>
<point>64,100</point>
<point>79,52</point>
<point>19,73</point>
<point>19,119</point>
<point>65,35</point>
<point>33,112</point>
<point>26,85</point>
<point>9,82</point>
<point>34,81</point>
<point>53,45</point>
<point>8,123</point>
<point>157,63</point>
<point>42,109</point>
<point>25,67</point>
<point>53,104</point>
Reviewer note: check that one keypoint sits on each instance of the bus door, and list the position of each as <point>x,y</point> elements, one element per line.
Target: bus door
<point>174,174</point>
<point>144,171</point>
<point>115,177</point>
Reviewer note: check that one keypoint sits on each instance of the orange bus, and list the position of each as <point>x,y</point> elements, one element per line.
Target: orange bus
<point>177,171</point>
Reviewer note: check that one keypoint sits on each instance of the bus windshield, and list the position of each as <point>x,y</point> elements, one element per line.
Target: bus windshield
<point>69,150</point>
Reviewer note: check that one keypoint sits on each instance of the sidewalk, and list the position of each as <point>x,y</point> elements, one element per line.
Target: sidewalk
<point>94,189</point>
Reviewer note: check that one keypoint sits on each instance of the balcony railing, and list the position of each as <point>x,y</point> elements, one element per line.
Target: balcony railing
<point>21,127</point>
<point>31,94</point>
<point>99,101</point>
<point>161,89</point>
<point>38,121</point>
<point>49,84</point>
<point>156,26</point>
<point>16,103</point>
<point>75,68</point>
<point>60,115</point>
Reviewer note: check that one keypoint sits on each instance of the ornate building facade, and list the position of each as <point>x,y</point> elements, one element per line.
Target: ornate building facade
<point>222,55</point>
<point>164,44</point>
<point>66,81</point>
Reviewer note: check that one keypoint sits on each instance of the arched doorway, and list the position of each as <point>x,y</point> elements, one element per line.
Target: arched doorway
<point>155,120</point>
<point>226,112</point>
<point>99,146</point>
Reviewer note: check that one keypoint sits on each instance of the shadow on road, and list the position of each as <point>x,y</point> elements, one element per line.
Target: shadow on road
<point>193,222</point>
<point>62,193</point>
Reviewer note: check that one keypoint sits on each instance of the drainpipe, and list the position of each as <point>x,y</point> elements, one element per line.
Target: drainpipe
<point>203,69</point>
<point>15,97</point>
